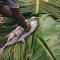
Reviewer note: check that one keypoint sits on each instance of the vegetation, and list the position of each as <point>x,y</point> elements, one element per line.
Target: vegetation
<point>44,44</point>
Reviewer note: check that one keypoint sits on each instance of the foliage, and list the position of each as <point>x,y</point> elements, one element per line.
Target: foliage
<point>44,44</point>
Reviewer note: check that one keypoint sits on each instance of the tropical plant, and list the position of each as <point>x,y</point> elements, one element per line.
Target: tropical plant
<point>44,44</point>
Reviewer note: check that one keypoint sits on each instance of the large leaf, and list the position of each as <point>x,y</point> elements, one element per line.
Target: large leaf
<point>42,45</point>
<point>52,8</point>
<point>55,2</point>
<point>50,32</point>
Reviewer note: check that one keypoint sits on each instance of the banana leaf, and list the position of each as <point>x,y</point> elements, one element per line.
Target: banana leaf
<point>52,7</point>
<point>42,45</point>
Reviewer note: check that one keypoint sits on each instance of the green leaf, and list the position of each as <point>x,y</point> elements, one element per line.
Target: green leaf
<point>42,45</point>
